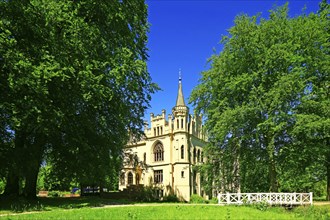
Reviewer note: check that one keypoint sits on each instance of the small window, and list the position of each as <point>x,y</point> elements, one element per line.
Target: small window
<point>158,176</point>
<point>182,174</point>
<point>182,152</point>
<point>182,123</point>
<point>157,130</point>
<point>177,123</point>
<point>145,158</point>
<point>198,155</point>
<point>161,130</point>
<point>202,157</point>
<point>159,193</point>
<point>154,131</point>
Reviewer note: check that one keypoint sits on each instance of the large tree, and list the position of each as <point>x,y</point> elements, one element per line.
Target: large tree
<point>73,80</point>
<point>266,99</point>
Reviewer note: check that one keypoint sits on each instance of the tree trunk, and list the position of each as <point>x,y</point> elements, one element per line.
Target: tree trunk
<point>328,175</point>
<point>30,189</point>
<point>12,184</point>
<point>272,176</point>
<point>13,177</point>
<point>34,159</point>
<point>272,166</point>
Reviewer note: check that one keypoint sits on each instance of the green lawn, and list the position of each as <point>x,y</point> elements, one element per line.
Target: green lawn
<point>96,208</point>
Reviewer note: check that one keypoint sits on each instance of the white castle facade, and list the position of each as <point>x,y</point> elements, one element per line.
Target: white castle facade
<point>166,156</point>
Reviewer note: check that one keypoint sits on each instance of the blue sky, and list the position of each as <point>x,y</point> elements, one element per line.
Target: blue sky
<point>184,33</point>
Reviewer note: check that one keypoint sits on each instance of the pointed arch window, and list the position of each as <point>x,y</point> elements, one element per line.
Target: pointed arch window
<point>158,152</point>
<point>122,179</point>
<point>130,178</point>
<point>198,155</point>
<point>194,155</point>
<point>182,152</point>
<point>137,179</point>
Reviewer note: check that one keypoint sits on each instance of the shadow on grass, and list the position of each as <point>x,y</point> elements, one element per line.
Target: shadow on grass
<point>21,204</point>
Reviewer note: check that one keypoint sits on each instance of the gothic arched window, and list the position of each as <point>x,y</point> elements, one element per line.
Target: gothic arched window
<point>182,152</point>
<point>122,179</point>
<point>194,155</point>
<point>198,155</point>
<point>137,179</point>
<point>159,152</point>
<point>130,178</point>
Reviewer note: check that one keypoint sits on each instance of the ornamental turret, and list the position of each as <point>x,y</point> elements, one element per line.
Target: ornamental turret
<point>180,111</point>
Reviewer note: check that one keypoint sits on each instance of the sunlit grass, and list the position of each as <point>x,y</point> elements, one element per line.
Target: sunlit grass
<point>165,211</point>
<point>98,208</point>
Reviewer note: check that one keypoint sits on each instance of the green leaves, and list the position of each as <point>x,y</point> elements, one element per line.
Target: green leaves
<point>74,72</point>
<point>267,91</point>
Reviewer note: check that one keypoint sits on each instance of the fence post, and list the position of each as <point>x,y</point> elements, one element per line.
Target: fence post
<point>218,198</point>
<point>311,198</point>
<point>228,198</point>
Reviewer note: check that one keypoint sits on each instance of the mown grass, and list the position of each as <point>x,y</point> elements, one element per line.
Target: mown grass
<point>19,205</point>
<point>98,208</point>
<point>165,211</point>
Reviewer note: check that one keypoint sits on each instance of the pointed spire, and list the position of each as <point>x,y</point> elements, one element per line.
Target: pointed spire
<point>180,99</point>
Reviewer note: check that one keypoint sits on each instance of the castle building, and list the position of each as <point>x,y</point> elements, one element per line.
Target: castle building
<point>168,153</point>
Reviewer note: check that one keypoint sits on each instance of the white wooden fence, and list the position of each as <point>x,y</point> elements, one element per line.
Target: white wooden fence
<point>270,198</point>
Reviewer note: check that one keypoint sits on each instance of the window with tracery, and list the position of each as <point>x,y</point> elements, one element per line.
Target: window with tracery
<point>159,152</point>
<point>130,178</point>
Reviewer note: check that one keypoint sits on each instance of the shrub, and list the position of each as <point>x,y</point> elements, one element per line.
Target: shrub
<point>196,199</point>
<point>171,198</point>
<point>2,186</point>
<point>54,193</point>
<point>24,205</point>
<point>262,206</point>
<point>214,200</point>
<point>148,194</point>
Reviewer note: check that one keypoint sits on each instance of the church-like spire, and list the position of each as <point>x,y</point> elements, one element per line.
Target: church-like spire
<point>180,99</point>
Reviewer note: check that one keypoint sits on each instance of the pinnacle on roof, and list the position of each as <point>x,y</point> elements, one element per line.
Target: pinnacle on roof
<point>180,99</point>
